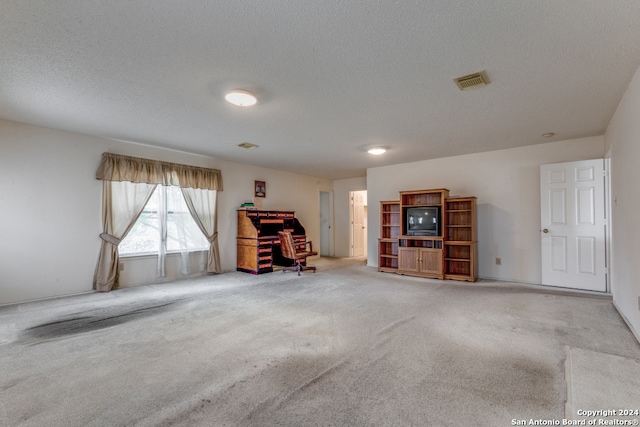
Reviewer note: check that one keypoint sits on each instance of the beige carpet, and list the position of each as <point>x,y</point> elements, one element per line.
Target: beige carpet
<point>602,382</point>
<point>346,346</point>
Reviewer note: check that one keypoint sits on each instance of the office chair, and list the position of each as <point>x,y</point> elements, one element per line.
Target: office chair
<point>290,251</point>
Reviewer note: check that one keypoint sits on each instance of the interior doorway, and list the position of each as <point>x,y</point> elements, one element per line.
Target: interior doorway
<point>358,222</point>
<point>326,223</point>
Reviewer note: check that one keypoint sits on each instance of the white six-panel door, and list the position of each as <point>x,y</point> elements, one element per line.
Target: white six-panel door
<point>572,227</point>
<point>358,223</point>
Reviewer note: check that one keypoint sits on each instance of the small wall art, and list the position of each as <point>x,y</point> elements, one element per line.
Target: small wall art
<point>261,189</point>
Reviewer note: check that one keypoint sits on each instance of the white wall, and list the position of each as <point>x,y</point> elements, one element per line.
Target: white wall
<point>507,185</point>
<point>341,191</point>
<point>623,143</point>
<point>50,215</point>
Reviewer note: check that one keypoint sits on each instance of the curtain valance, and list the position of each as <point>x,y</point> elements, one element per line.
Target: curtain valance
<point>116,167</point>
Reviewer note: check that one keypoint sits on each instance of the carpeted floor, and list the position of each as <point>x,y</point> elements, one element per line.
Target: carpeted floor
<point>346,346</point>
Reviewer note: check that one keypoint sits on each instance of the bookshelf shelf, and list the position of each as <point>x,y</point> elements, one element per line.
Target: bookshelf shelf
<point>460,244</point>
<point>389,234</point>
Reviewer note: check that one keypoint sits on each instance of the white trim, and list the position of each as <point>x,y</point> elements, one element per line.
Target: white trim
<point>629,324</point>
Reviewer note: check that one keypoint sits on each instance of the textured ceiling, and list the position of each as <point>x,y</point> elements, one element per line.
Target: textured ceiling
<point>333,77</point>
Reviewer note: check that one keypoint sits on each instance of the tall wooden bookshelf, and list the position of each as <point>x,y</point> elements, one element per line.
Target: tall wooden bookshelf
<point>460,249</point>
<point>389,233</point>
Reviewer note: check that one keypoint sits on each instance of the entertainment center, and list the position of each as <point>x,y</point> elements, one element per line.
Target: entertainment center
<point>428,234</point>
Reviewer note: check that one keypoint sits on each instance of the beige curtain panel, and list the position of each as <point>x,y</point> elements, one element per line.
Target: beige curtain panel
<point>116,167</point>
<point>203,205</point>
<point>128,183</point>
<point>122,204</point>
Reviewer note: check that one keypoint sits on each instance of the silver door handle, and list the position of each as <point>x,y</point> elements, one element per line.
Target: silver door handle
<point>546,230</point>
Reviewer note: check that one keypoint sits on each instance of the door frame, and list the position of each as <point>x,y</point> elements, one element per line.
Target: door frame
<point>351,224</point>
<point>326,209</point>
<point>608,221</point>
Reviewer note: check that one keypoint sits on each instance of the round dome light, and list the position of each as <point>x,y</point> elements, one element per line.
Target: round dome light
<point>376,151</point>
<point>241,98</point>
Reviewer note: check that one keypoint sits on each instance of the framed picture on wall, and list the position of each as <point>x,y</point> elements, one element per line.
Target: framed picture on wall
<point>261,189</point>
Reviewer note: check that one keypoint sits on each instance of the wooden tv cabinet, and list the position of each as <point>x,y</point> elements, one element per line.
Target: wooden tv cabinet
<point>449,255</point>
<point>420,257</point>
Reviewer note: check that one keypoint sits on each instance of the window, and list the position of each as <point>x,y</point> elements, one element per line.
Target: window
<point>128,182</point>
<point>165,213</point>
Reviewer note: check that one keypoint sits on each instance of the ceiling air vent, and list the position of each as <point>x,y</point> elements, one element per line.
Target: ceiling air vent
<point>472,81</point>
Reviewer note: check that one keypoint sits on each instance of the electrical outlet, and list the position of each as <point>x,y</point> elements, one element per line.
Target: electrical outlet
<point>498,261</point>
<point>121,266</point>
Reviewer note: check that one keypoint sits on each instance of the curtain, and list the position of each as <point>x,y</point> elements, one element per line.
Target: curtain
<point>128,184</point>
<point>162,214</point>
<point>115,167</point>
<point>174,217</point>
<point>203,207</point>
<point>122,203</point>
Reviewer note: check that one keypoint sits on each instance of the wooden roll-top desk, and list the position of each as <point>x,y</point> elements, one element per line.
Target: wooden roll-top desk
<point>258,246</point>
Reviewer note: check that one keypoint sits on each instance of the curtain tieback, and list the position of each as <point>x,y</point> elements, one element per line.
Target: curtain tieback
<point>213,238</point>
<point>110,239</point>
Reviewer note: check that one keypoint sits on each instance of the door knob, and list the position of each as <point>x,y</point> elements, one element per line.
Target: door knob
<point>546,230</point>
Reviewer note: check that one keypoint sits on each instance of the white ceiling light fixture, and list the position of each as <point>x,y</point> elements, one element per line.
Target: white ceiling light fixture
<point>247,145</point>
<point>376,151</point>
<point>241,98</point>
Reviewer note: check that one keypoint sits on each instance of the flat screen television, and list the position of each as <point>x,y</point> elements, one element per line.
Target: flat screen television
<point>423,221</point>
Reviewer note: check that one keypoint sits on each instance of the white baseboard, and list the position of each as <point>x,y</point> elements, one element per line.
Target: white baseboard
<point>633,331</point>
